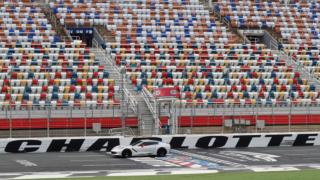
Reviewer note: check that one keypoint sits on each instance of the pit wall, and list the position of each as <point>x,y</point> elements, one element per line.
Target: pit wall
<point>82,144</point>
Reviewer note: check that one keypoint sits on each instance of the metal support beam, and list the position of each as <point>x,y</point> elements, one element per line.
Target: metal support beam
<point>123,104</point>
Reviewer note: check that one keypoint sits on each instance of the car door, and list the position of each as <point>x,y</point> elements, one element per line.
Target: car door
<point>145,148</point>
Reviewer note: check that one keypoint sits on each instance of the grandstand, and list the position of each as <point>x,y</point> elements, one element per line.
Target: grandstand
<point>126,52</point>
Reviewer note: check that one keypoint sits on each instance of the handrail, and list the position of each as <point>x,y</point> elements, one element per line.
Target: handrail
<point>95,43</point>
<point>300,67</point>
<point>227,22</point>
<point>99,37</point>
<point>133,104</point>
<point>273,43</point>
<point>283,104</point>
<point>149,99</point>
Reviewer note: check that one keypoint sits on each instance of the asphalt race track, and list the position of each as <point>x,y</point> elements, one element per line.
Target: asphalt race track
<point>87,164</point>
<point>266,156</point>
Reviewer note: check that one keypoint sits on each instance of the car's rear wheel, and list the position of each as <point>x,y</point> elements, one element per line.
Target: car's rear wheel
<point>126,153</point>
<point>161,152</point>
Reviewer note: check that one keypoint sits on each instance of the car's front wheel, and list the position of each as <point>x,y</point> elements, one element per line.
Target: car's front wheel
<point>126,153</point>
<point>161,152</point>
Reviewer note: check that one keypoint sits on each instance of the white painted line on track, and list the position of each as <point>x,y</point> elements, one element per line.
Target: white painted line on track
<point>26,163</point>
<point>314,166</point>
<point>227,157</point>
<point>286,150</point>
<point>194,172</point>
<point>10,174</point>
<point>78,177</point>
<point>210,159</point>
<point>273,169</point>
<point>42,176</point>
<point>142,173</point>
<point>82,156</point>
<point>83,172</point>
<point>304,154</point>
<point>251,156</point>
<point>92,160</point>
<point>154,162</point>
<point>92,165</point>
<point>195,166</point>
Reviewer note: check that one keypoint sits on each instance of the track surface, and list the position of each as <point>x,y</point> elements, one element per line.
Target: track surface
<point>17,166</point>
<point>279,155</point>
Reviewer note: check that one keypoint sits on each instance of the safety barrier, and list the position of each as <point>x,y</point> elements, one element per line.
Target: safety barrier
<point>78,144</point>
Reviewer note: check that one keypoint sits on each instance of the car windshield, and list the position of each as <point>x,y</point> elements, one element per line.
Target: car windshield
<point>136,143</point>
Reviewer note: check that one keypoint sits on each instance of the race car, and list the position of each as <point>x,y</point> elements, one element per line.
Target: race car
<point>142,148</point>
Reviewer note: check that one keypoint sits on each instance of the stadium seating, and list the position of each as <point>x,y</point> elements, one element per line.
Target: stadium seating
<point>37,69</point>
<point>178,43</point>
<point>24,22</point>
<point>296,22</point>
<point>162,43</point>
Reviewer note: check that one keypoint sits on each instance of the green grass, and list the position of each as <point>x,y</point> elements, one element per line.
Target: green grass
<point>293,175</point>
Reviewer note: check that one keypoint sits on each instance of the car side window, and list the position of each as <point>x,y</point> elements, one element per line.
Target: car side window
<point>136,143</point>
<point>149,143</point>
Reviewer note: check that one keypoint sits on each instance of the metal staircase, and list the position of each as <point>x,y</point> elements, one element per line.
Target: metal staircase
<point>137,102</point>
<point>298,67</point>
<point>272,43</point>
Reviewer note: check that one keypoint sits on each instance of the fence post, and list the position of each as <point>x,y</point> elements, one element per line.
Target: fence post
<point>112,113</point>
<point>48,121</point>
<point>140,125</point>
<point>214,113</point>
<point>10,122</point>
<point>191,120</point>
<point>85,121</point>
<point>194,115</point>
<point>70,119</point>
<point>180,113</point>
<point>272,114</point>
<point>6,117</point>
<point>308,121</point>
<point>29,118</point>
<point>208,117</point>
<point>223,114</point>
<point>254,116</point>
<point>290,114</point>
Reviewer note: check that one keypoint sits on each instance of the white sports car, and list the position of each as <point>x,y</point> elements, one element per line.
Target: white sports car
<point>142,148</point>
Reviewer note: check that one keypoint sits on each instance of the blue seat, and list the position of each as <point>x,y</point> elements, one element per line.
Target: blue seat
<point>27,90</point>
<point>25,96</point>
<point>214,94</point>
<point>94,89</point>
<point>30,75</point>
<point>105,74</point>
<point>199,95</point>
<point>55,89</point>
<point>77,96</point>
